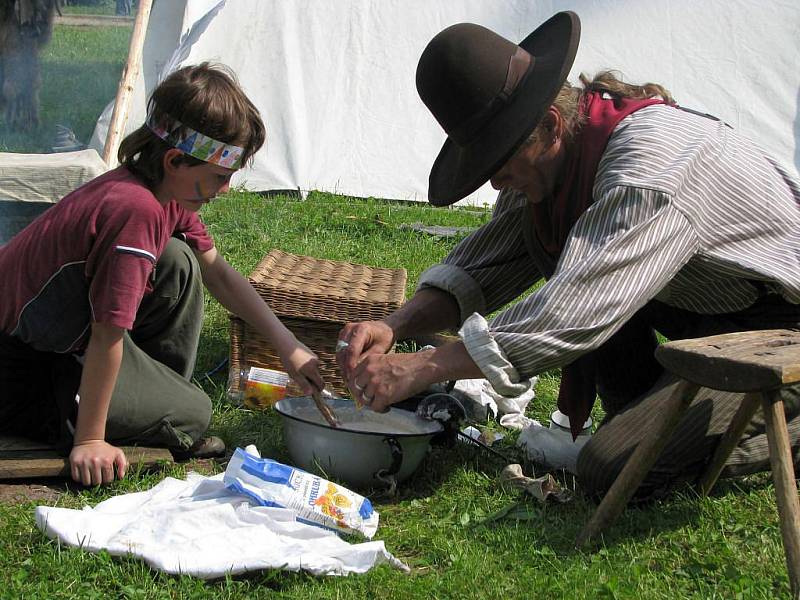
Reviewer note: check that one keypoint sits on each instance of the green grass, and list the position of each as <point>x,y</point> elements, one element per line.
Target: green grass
<point>97,7</point>
<point>81,69</point>
<point>725,546</point>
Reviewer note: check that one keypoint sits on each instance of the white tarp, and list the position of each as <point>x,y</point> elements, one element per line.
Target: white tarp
<point>335,81</point>
<point>46,177</point>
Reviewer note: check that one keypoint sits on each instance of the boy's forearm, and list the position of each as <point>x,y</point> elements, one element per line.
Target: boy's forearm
<point>100,369</point>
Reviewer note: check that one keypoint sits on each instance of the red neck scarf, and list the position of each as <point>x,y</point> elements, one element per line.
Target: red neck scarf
<point>555,217</point>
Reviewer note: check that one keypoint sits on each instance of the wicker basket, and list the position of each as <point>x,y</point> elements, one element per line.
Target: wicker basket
<point>314,298</point>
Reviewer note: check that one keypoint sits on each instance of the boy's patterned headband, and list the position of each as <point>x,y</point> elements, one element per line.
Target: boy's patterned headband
<point>195,143</point>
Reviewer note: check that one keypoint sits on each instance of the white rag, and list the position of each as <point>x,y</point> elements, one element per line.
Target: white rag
<point>198,527</point>
<point>482,401</point>
<point>553,449</point>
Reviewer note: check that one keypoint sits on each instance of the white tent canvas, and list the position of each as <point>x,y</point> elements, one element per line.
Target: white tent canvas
<point>335,81</point>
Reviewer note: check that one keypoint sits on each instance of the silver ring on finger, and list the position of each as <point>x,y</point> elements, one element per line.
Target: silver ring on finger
<point>358,387</point>
<point>341,345</point>
<point>367,399</point>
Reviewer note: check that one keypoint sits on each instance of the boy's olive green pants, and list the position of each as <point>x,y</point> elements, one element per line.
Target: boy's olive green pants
<point>154,402</point>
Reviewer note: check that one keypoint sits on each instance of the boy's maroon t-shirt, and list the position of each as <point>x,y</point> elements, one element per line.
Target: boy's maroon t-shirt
<point>88,259</point>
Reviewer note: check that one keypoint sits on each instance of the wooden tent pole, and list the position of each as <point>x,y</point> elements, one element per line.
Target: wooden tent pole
<point>129,73</point>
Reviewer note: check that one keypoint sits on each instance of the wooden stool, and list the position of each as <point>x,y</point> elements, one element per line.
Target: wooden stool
<point>757,363</point>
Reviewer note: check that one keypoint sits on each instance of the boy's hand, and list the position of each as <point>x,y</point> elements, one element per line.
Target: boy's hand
<point>302,365</point>
<point>92,462</point>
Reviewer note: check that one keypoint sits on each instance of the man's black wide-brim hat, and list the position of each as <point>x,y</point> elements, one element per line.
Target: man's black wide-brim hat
<point>489,94</point>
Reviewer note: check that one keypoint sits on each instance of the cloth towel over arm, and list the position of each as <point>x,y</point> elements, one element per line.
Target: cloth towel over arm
<point>198,527</point>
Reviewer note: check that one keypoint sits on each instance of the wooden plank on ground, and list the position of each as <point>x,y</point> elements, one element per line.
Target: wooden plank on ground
<point>30,464</point>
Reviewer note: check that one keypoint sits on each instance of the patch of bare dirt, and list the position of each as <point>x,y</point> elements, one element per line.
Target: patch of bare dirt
<point>93,20</point>
<point>40,493</point>
<point>206,466</point>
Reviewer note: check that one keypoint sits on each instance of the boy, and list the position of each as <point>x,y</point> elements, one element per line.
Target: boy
<point>109,304</point>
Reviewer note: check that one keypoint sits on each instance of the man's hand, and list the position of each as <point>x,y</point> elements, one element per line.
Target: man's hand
<point>383,379</point>
<point>380,380</point>
<point>92,462</point>
<point>359,339</point>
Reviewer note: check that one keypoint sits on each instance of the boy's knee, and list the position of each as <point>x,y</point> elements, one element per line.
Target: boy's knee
<point>195,416</point>
<point>177,264</point>
<point>185,424</point>
<point>177,292</point>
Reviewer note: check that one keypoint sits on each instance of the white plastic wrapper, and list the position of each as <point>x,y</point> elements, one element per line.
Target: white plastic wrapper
<point>314,500</point>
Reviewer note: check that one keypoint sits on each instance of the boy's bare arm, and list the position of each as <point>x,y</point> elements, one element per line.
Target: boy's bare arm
<point>236,294</point>
<point>92,460</point>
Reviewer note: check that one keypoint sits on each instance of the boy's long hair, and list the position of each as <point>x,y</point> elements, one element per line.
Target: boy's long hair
<point>208,99</point>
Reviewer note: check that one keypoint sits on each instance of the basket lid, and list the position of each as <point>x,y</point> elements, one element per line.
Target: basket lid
<point>327,290</point>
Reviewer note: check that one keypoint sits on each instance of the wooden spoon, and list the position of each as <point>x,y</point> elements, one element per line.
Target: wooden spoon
<point>327,411</point>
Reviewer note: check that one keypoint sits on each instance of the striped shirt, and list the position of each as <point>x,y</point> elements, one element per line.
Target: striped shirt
<point>686,211</point>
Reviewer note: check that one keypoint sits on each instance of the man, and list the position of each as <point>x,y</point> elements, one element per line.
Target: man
<point>642,217</point>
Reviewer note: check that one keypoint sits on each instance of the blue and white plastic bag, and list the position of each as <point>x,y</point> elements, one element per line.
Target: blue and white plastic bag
<point>315,500</point>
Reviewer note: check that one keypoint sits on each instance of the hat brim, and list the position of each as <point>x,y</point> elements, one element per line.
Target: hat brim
<point>460,170</point>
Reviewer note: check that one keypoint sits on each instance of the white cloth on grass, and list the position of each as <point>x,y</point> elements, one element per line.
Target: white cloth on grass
<point>198,527</point>
<point>551,449</point>
<point>482,401</point>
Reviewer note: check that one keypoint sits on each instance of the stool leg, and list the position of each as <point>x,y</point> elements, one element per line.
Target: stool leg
<point>780,457</point>
<point>640,462</point>
<point>744,415</point>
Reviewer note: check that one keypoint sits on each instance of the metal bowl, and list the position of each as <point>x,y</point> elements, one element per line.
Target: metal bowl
<point>368,449</point>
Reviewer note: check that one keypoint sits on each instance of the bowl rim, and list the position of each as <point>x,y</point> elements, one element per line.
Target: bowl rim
<point>438,428</point>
